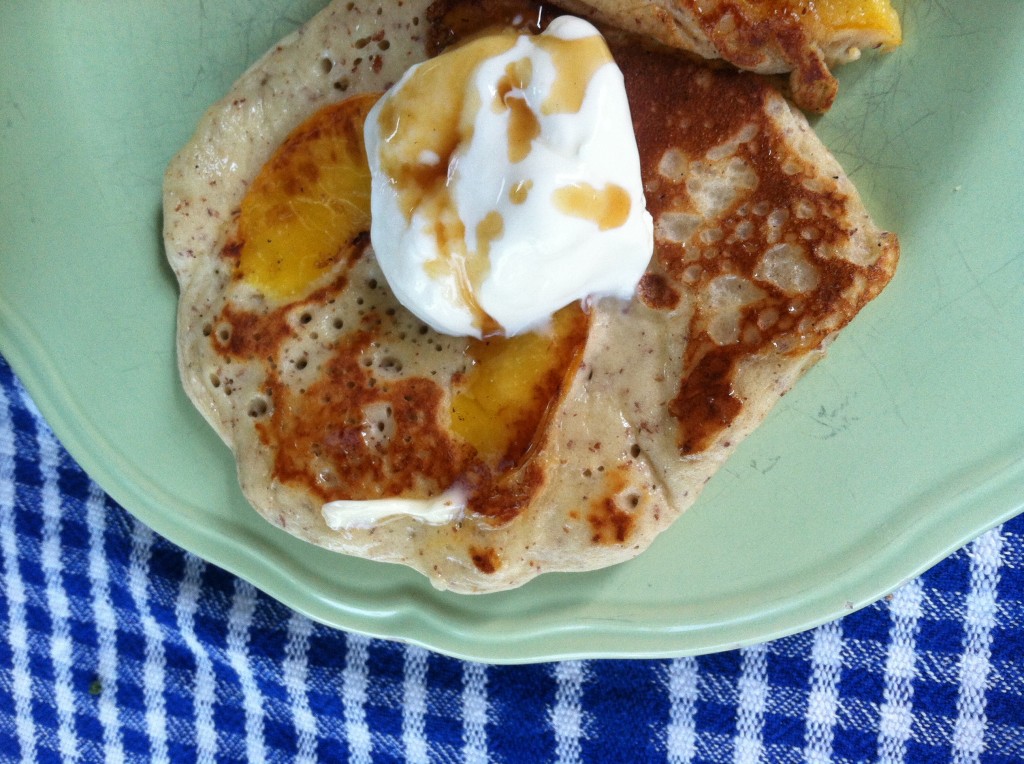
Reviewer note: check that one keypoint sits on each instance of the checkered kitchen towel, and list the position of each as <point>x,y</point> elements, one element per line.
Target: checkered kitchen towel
<point>119,646</point>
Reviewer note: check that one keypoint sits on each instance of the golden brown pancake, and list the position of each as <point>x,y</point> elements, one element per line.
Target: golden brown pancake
<point>800,37</point>
<point>576,446</point>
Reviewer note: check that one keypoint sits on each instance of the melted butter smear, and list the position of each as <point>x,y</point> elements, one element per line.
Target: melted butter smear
<point>307,203</point>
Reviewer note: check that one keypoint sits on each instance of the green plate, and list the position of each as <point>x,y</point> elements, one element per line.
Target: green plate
<point>907,441</point>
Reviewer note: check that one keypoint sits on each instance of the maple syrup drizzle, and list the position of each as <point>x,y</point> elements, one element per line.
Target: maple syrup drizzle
<point>607,206</point>
<point>419,154</point>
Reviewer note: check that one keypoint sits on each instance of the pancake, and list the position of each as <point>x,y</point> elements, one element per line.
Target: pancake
<point>576,445</point>
<point>803,38</point>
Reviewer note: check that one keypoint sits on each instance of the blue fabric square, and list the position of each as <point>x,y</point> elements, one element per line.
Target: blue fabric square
<point>128,646</point>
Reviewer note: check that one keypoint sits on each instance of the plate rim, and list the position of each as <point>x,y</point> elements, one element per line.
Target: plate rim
<point>616,641</point>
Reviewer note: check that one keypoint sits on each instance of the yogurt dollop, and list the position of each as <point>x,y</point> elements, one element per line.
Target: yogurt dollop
<point>506,182</point>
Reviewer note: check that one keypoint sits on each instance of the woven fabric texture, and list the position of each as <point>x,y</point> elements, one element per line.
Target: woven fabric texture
<point>118,646</point>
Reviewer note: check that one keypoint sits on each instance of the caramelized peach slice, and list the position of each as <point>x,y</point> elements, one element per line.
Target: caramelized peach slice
<point>500,402</point>
<point>308,202</point>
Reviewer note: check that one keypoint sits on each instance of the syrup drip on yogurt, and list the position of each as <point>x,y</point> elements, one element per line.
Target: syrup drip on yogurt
<point>482,159</point>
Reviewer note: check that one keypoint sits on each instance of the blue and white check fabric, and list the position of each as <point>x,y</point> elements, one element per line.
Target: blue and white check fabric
<point>118,646</point>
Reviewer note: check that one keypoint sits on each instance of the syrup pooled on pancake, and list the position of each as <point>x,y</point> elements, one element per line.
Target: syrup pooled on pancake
<point>574,446</point>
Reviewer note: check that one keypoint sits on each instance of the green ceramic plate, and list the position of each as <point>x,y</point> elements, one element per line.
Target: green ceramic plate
<point>907,441</point>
